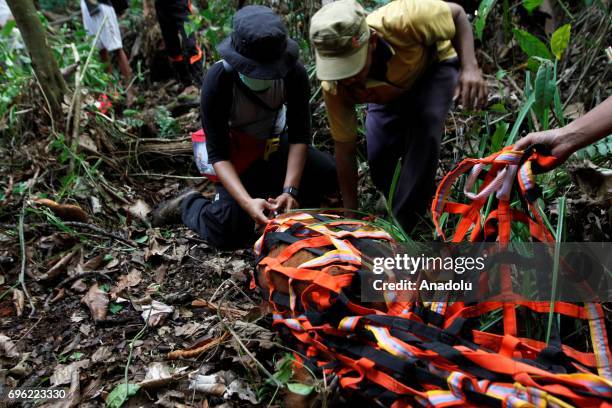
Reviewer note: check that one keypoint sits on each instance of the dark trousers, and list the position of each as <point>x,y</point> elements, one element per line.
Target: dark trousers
<point>224,224</point>
<point>411,128</point>
<point>182,49</point>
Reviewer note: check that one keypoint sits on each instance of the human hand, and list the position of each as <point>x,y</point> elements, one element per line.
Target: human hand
<point>558,141</point>
<point>257,207</point>
<point>285,202</point>
<point>472,88</point>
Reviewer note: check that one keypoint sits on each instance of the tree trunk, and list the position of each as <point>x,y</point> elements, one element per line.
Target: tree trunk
<point>44,64</point>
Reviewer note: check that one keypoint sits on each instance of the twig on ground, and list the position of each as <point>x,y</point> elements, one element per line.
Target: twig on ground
<point>131,347</point>
<point>101,232</point>
<point>29,330</point>
<point>243,346</point>
<point>167,176</point>
<point>22,248</point>
<point>196,352</point>
<point>229,280</point>
<point>201,303</point>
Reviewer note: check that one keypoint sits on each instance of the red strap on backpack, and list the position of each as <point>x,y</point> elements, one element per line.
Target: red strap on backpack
<point>244,151</point>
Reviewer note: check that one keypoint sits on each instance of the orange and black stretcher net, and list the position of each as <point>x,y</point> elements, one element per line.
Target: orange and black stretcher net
<point>403,354</point>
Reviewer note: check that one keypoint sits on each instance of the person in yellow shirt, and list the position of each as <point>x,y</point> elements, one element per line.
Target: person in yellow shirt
<point>407,60</point>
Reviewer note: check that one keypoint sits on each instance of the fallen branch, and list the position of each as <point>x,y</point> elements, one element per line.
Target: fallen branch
<point>199,349</point>
<point>201,303</point>
<point>153,175</point>
<point>23,259</point>
<point>101,232</point>
<point>162,147</point>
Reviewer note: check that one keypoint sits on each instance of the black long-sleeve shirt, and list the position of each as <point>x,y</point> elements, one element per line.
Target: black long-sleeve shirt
<point>216,105</point>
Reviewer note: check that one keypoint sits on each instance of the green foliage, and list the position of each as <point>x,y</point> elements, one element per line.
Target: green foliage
<point>596,151</point>
<point>131,118</point>
<point>142,240</point>
<point>558,239</point>
<point>282,375</point>
<point>15,68</point>
<point>531,45</point>
<point>531,5</point>
<point>15,64</point>
<point>97,79</point>
<point>520,118</point>
<point>54,5</point>
<point>120,394</point>
<point>497,141</point>
<point>215,21</point>
<point>300,389</point>
<point>560,40</point>
<point>544,90</point>
<point>483,11</point>
<point>115,308</point>
<point>167,125</point>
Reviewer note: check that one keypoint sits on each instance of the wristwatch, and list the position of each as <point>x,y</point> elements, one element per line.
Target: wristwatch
<point>292,191</point>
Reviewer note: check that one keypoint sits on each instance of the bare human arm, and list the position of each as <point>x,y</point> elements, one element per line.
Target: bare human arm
<point>472,89</point>
<point>295,168</point>
<point>594,125</point>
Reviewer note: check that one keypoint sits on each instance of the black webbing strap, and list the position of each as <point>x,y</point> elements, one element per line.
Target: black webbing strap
<point>273,238</point>
<point>407,371</point>
<point>430,333</point>
<point>382,358</point>
<point>429,316</point>
<point>453,355</point>
<point>555,360</point>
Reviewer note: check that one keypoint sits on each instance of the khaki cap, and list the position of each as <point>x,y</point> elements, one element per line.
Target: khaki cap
<point>340,34</point>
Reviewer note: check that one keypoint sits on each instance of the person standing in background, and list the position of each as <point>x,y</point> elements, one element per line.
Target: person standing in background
<point>407,60</point>
<point>183,50</point>
<point>99,15</point>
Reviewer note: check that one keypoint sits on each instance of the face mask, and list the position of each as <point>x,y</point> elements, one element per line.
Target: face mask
<point>256,85</point>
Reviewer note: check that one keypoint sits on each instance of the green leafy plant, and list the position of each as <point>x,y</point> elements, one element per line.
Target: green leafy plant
<point>531,5</point>
<point>560,40</point>
<point>497,140</point>
<point>544,89</point>
<point>282,376</point>
<point>115,308</point>
<point>484,9</point>
<point>558,239</point>
<point>531,45</point>
<point>15,68</point>
<point>167,125</point>
<point>596,151</point>
<point>120,394</point>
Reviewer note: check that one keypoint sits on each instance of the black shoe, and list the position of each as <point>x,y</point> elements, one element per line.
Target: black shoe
<point>169,211</point>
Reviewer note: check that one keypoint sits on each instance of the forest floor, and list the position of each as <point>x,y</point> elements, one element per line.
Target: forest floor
<point>92,297</point>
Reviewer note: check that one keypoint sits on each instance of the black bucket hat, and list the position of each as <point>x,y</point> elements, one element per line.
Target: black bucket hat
<point>258,46</point>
